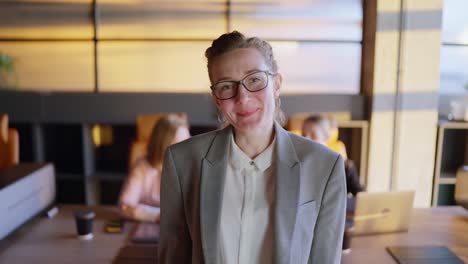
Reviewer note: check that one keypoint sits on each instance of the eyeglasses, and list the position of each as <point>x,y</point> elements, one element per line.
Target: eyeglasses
<point>253,82</point>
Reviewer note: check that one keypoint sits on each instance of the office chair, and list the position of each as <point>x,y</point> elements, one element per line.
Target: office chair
<point>461,187</point>
<point>145,124</point>
<point>9,143</point>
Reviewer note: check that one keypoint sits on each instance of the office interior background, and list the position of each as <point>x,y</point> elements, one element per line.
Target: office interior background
<point>83,71</point>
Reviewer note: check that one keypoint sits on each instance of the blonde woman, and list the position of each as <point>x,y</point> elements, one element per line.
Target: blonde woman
<point>140,196</point>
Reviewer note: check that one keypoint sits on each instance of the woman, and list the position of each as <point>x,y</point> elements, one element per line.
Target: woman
<point>140,198</point>
<point>250,192</point>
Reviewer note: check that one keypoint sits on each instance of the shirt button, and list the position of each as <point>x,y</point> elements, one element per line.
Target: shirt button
<point>252,163</point>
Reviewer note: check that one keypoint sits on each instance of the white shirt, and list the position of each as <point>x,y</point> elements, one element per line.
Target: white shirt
<point>246,231</point>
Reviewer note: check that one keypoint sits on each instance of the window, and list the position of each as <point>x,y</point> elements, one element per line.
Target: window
<point>454,52</point>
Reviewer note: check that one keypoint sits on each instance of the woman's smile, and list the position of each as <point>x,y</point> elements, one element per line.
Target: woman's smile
<point>247,113</point>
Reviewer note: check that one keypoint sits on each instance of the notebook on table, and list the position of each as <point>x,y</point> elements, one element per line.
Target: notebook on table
<point>147,233</point>
<point>423,254</point>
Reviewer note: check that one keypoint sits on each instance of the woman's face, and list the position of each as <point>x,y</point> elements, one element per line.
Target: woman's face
<point>247,111</point>
<point>181,134</point>
<point>315,132</point>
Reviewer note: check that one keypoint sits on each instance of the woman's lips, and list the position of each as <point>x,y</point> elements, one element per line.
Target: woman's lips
<point>247,113</point>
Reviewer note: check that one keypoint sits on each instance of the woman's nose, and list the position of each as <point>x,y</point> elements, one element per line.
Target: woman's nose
<point>242,93</point>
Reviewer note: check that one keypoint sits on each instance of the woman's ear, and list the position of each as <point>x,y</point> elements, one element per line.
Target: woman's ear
<point>278,84</point>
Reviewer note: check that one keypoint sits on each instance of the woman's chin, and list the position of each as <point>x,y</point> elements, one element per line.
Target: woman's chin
<point>250,126</point>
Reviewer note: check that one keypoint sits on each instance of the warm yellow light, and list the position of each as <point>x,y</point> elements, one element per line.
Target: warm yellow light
<point>296,131</point>
<point>102,135</point>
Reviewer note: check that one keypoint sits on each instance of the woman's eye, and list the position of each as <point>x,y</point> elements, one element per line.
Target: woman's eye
<point>226,87</point>
<point>254,80</point>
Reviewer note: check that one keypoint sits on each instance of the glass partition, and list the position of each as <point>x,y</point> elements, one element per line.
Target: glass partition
<point>161,66</point>
<point>158,46</point>
<point>39,19</point>
<point>314,67</point>
<point>161,19</point>
<point>299,19</point>
<point>50,66</point>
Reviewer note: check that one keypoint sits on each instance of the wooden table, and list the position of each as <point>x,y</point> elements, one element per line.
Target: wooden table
<point>54,240</point>
<point>439,226</point>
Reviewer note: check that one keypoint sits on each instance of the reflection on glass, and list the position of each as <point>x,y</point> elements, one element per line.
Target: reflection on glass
<point>164,66</point>
<point>162,18</point>
<point>454,69</point>
<point>319,67</point>
<point>455,22</point>
<point>52,66</point>
<point>299,19</point>
<point>46,19</point>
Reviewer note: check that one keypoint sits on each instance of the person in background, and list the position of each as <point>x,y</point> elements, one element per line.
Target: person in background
<point>250,192</point>
<point>322,130</point>
<point>140,195</point>
<point>317,128</point>
<point>333,142</point>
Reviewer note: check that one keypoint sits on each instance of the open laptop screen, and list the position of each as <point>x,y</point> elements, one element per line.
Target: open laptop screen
<point>382,212</point>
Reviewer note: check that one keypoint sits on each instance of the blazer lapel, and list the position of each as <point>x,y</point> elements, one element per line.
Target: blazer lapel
<point>211,193</point>
<point>287,194</point>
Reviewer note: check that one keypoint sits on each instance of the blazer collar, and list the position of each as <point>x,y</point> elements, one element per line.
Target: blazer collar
<point>213,173</point>
<point>287,195</point>
<point>218,150</point>
<point>285,151</point>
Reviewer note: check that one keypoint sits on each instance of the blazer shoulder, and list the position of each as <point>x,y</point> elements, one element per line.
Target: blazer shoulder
<point>306,148</point>
<point>196,144</point>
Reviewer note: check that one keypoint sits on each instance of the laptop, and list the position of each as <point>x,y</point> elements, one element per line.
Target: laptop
<point>382,212</point>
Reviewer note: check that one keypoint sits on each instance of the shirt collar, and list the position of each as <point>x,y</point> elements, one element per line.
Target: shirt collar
<point>240,160</point>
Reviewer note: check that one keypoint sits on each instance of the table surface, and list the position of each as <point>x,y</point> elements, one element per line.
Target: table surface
<point>438,226</point>
<point>54,240</point>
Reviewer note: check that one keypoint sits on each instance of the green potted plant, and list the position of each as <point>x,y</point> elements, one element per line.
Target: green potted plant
<point>7,70</point>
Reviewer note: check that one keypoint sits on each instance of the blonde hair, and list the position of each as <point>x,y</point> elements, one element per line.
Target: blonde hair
<point>162,137</point>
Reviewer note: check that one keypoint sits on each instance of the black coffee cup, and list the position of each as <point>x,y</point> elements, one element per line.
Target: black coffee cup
<point>348,233</point>
<point>84,224</point>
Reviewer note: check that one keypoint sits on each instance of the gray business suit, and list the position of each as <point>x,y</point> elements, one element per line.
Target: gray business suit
<point>309,207</point>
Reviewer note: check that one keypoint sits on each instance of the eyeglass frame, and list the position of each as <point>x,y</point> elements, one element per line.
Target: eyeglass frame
<point>268,73</point>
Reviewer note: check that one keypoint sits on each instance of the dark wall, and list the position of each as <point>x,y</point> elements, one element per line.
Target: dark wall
<point>122,108</point>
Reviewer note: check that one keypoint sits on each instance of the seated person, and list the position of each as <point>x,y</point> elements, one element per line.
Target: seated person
<point>318,128</point>
<point>140,196</point>
<point>333,142</point>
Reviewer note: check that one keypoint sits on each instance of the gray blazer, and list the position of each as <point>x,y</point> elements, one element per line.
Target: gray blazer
<point>309,207</point>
